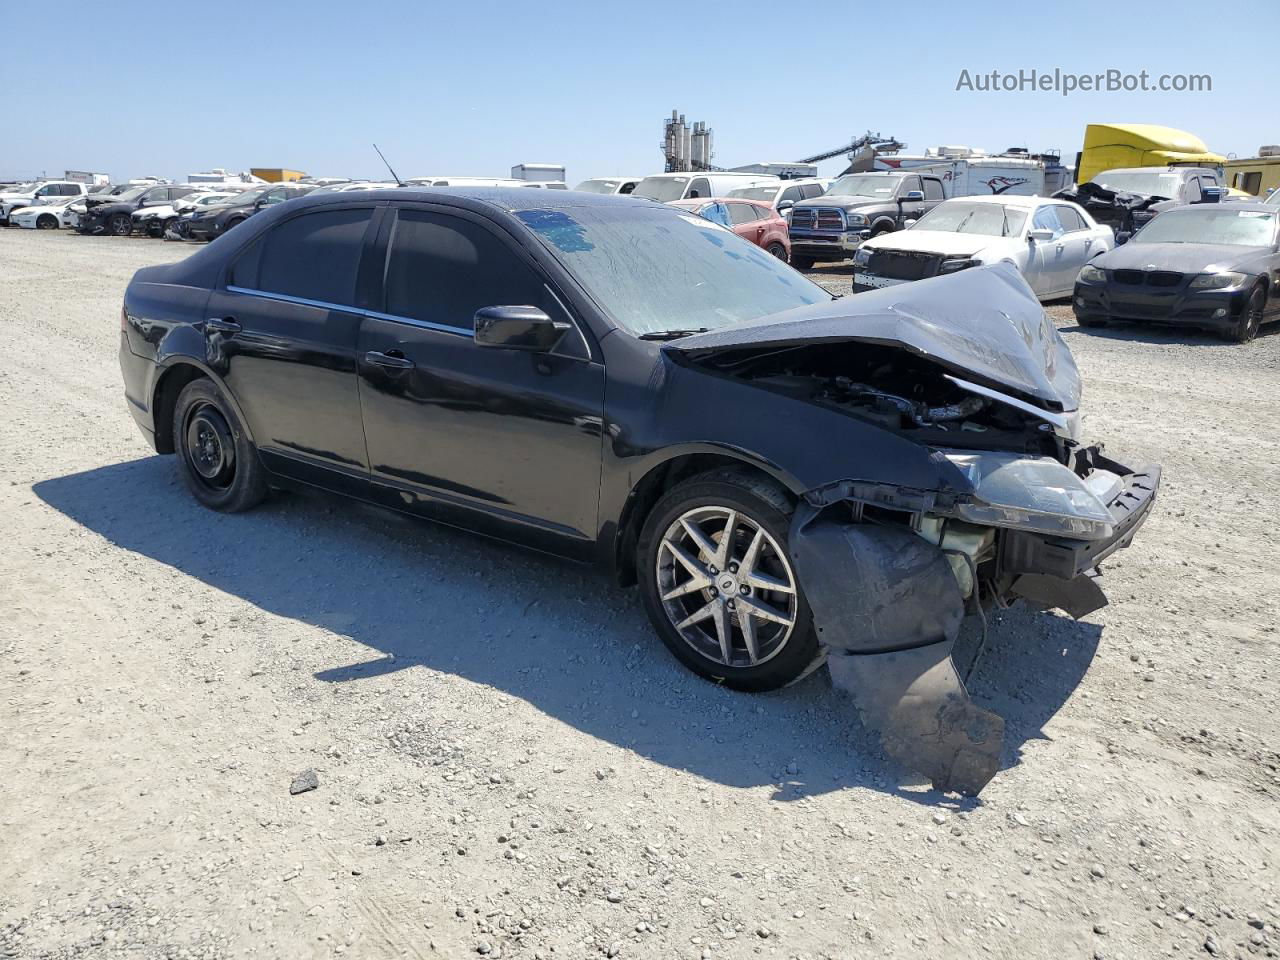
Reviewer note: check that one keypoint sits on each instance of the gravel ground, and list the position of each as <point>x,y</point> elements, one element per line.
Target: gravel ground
<point>510,764</point>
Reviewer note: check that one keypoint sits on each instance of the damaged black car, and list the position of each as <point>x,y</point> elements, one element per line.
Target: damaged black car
<point>790,478</point>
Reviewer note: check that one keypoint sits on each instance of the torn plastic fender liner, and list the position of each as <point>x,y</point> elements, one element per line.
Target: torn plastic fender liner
<point>888,607</point>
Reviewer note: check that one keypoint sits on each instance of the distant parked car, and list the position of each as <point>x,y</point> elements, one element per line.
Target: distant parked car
<point>1212,266</point>
<point>49,216</point>
<point>352,186</point>
<point>213,221</point>
<point>696,186</point>
<point>609,185</point>
<point>757,222</point>
<point>783,195</point>
<point>1047,240</point>
<point>37,194</point>
<point>114,215</point>
<point>155,221</point>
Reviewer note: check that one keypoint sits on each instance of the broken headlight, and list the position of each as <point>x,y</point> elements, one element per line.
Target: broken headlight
<point>862,257</point>
<point>1030,493</point>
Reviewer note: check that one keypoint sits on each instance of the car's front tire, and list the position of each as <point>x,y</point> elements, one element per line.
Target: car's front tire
<point>1246,327</point>
<point>120,225</point>
<point>734,612</point>
<point>218,463</point>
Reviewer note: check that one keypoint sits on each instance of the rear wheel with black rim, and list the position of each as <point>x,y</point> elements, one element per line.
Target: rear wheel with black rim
<point>718,583</point>
<point>216,459</point>
<point>778,250</point>
<point>1246,327</point>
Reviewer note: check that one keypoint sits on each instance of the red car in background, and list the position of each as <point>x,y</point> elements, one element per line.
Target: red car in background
<point>757,222</point>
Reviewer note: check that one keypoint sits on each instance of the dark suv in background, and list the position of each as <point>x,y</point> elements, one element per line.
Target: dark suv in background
<point>208,223</point>
<point>858,206</point>
<point>114,214</point>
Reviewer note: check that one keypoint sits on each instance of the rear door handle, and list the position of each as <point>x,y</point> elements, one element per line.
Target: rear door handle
<point>393,359</point>
<point>223,326</point>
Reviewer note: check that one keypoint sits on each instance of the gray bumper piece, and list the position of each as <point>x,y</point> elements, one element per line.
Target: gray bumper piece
<point>887,606</point>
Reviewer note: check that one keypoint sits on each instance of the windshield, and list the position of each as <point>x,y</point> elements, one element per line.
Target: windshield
<point>864,185</point>
<point>763,194</point>
<point>1240,228</point>
<point>1274,199</point>
<point>661,188</point>
<point>653,269</point>
<point>1154,183</point>
<point>985,219</point>
<point>599,186</point>
<point>131,194</point>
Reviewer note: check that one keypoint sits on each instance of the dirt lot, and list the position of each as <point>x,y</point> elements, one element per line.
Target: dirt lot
<point>511,765</point>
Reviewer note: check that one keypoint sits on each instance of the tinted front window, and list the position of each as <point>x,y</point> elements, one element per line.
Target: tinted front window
<point>1247,228</point>
<point>1070,220</point>
<point>314,256</point>
<point>654,269</point>
<point>933,189</point>
<point>443,269</point>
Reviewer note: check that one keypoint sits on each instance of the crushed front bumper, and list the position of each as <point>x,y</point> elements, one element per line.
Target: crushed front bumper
<point>888,604</point>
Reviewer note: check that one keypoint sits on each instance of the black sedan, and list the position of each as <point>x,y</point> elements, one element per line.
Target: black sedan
<point>789,477</point>
<point>208,223</point>
<point>1213,266</point>
<point>114,214</point>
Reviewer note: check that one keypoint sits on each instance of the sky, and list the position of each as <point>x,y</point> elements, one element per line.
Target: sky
<point>475,87</point>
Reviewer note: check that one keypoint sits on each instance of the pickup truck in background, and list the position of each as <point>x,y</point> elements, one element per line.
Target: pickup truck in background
<point>858,206</point>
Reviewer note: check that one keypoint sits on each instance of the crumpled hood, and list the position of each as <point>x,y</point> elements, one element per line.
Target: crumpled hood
<point>1179,257</point>
<point>984,324</point>
<point>935,241</point>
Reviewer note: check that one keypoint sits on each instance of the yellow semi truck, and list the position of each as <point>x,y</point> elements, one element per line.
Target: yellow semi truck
<point>1111,145</point>
<point>1256,176</point>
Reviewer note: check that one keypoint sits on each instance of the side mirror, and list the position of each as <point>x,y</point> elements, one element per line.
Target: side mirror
<point>785,205</point>
<point>1040,236</point>
<point>518,328</point>
<point>1122,237</point>
<point>912,196</point>
<point>1212,194</point>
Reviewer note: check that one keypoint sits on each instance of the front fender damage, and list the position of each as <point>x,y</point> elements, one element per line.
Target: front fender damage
<point>888,607</point>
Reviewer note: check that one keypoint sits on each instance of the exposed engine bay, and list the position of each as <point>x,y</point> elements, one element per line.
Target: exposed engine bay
<point>898,391</point>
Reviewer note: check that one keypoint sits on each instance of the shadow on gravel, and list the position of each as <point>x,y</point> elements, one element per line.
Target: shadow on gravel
<point>557,635</point>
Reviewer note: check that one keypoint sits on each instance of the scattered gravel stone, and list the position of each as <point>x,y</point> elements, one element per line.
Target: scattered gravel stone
<point>304,782</point>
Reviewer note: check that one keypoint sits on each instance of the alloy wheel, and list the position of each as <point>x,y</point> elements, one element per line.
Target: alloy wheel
<point>726,586</point>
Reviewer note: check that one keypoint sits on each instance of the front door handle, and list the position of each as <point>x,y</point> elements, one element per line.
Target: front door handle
<point>223,326</point>
<point>393,359</point>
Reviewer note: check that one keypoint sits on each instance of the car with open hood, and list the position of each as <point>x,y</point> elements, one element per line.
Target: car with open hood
<point>1047,240</point>
<point>1211,266</point>
<point>46,216</point>
<point>787,476</point>
<point>113,215</point>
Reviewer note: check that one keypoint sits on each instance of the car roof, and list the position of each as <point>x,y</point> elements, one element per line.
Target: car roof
<point>1005,200</point>
<point>509,199</point>
<point>1232,205</point>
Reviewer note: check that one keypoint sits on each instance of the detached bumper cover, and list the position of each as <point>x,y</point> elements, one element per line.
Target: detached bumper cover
<point>888,608</point>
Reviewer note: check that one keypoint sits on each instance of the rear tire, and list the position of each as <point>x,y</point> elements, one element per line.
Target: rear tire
<point>773,654</point>
<point>1246,328</point>
<point>46,221</point>
<point>778,250</point>
<point>802,263</point>
<point>218,463</point>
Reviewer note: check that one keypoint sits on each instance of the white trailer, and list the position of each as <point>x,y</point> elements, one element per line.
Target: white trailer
<point>89,179</point>
<point>968,173</point>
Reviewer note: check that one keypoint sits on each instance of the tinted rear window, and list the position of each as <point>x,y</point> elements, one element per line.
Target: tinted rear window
<point>314,256</point>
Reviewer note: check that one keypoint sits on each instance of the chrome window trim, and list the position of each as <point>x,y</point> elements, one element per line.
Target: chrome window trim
<point>372,314</point>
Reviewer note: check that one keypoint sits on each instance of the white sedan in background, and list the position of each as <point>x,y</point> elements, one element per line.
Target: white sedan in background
<point>46,216</point>
<point>1047,240</point>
